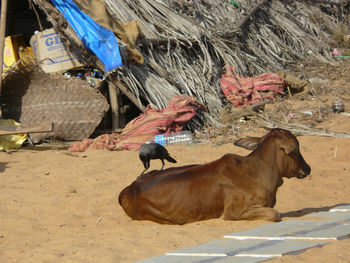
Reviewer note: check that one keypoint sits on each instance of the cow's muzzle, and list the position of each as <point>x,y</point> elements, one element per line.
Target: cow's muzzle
<point>303,172</point>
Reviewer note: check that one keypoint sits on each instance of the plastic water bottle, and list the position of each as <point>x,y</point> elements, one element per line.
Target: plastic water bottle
<point>183,137</point>
<point>338,106</point>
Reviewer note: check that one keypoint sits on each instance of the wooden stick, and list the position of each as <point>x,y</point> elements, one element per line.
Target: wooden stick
<point>2,37</point>
<point>114,105</point>
<point>244,21</point>
<point>129,94</point>
<point>122,110</point>
<point>32,6</point>
<point>331,2</point>
<point>250,15</point>
<point>33,128</point>
<point>299,129</point>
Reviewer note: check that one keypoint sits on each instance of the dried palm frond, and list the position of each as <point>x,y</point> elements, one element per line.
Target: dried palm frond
<point>186,43</point>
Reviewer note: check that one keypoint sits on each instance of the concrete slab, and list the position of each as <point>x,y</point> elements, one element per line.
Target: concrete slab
<point>341,208</point>
<point>296,230</point>
<point>251,248</point>
<point>267,242</point>
<point>343,217</point>
<point>203,259</point>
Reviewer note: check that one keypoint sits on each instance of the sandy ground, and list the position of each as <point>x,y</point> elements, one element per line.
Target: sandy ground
<point>58,206</point>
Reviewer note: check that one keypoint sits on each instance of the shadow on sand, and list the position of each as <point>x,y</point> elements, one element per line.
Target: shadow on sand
<point>3,166</point>
<point>309,210</point>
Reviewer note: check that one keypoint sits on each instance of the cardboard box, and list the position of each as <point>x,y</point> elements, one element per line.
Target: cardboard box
<point>50,53</point>
<point>12,45</point>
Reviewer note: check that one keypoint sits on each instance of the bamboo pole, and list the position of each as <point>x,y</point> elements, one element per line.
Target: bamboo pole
<point>2,37</point>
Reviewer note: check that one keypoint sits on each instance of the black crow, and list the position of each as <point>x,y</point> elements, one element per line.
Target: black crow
<point>154,151</point>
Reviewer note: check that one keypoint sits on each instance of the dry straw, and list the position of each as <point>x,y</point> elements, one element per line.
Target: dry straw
<point>187,43</point>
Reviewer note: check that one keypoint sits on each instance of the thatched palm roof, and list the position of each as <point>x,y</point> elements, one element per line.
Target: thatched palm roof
<point>186,43</point>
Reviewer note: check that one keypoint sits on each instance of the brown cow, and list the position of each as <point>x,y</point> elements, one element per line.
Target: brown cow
<point>235,187</point>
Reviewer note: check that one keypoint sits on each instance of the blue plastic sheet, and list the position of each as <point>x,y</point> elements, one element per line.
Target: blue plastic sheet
<point>101,41</point>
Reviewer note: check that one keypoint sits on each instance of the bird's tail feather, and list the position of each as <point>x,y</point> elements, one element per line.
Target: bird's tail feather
<point>170,159</point>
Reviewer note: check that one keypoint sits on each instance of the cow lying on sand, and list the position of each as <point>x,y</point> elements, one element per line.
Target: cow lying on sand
<point>233,187</point>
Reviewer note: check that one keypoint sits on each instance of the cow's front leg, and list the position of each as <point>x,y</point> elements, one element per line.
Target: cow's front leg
<point>273,202</point>
<point>257,213</point>
<point>263,213</point>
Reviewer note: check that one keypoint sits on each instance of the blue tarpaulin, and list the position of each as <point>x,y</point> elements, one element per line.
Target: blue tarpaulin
<point>101,41</point>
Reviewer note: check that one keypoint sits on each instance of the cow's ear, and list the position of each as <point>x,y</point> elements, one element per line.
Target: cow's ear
<point>250,143</point>
<point>289,146</point>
